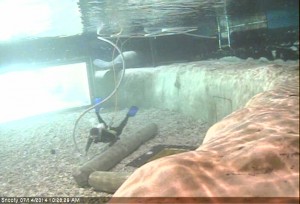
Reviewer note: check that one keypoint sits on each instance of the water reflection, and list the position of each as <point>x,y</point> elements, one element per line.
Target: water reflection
<point>38,18</point>
<point>136,17</point>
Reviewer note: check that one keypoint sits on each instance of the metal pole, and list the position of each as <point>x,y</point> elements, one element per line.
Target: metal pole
<point>218,27</point>
<point>227,23</point>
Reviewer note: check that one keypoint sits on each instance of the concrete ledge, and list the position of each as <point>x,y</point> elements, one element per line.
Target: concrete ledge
<point>206,90</point>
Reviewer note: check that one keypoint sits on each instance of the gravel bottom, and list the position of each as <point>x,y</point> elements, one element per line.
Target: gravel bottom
<point>38,154</point>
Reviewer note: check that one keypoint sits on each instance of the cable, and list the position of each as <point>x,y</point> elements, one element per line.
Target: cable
<point>114,71</point>
<point>115,81</point>
<point>108,97</point>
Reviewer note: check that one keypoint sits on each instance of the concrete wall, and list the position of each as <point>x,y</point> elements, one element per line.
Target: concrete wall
<point>206,90</point>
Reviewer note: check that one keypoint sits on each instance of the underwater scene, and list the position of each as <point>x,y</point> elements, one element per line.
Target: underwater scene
<point>158,101</point>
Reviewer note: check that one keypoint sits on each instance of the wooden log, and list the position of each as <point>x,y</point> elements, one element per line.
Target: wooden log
<point>107,181</point>
<point>108,159</point>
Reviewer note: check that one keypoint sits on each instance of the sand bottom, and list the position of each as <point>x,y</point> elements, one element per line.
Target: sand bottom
<point>38,154</point>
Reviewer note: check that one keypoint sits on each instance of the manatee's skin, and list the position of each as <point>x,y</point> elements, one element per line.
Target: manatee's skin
<point>131,59</point>
<point>101,64</point>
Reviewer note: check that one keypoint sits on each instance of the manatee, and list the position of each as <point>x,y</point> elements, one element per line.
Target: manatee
<point>130,57</point>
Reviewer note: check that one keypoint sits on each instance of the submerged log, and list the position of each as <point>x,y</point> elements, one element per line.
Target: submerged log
<point>107,181</point>
<point>111,157</point>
